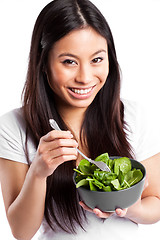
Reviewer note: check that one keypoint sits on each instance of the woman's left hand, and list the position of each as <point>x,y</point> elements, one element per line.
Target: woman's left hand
<point>100,214</point>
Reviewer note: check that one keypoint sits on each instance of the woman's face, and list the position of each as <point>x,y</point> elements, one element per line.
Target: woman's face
<point>78,68</point>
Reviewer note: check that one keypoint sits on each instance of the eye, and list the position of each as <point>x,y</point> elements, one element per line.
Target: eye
<point>69,62</point>
<point>97,60</point>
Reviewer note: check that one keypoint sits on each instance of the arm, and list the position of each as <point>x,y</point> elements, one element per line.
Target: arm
<point>24,197</point>
<point>24,188</point>
<point>147,210</point>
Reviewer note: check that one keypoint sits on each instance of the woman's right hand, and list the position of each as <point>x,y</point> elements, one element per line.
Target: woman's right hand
<point>54,148</point>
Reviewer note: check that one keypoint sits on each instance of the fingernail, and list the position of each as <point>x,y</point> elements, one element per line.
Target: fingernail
<point>96,212</point>
<point>71,135</point>
<point>118,212</point>
<point>76,143</point>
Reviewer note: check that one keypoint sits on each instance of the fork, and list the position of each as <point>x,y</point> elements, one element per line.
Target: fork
<point>103,166</point>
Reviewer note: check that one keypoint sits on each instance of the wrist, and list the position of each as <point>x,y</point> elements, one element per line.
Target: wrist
<point>35,174</point>
<point>134,211</point>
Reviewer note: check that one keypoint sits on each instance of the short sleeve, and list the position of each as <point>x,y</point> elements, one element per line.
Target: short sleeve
<point>144,130</point>
<point>147,134</point>
<point>13,137</point>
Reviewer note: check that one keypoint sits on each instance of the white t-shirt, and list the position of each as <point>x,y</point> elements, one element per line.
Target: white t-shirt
<point>144,139</point>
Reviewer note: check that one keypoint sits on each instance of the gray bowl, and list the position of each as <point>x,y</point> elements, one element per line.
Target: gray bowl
<point>109,201</point>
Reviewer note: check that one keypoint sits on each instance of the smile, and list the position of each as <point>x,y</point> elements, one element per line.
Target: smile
<point>81,91</point>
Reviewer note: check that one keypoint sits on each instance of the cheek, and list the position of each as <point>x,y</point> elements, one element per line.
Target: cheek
<point>106,70</point>
<point>56,79</point>
<point>61,76</point>
<point>103,74</point>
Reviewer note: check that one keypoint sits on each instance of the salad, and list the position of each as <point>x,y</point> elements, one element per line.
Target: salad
<point>122,175</point>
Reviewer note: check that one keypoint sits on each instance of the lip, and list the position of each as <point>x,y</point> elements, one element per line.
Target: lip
<point>81,96</point>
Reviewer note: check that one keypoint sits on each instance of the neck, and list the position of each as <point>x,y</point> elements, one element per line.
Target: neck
<point>73,117</point>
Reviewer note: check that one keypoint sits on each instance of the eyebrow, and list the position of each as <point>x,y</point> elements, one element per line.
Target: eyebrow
<point>73,55</point>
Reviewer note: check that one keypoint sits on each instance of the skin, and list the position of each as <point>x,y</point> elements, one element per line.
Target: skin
<point>77,61</point>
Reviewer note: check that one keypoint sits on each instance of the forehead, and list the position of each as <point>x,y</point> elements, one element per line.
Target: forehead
<point>80,41</point>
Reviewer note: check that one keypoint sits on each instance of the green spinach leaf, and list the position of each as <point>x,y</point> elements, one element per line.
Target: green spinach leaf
<point>122,175</point>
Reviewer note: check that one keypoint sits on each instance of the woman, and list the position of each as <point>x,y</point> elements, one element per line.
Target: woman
<point>74,78</point>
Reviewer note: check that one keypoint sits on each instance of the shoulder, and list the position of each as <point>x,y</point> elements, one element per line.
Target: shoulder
<point>131,113</point>
<point>13,121</point>
<point>13,137</point>
<point>13,114</point>
<point>135,114</point>
<point>130,107</point>
<point>143,133</point>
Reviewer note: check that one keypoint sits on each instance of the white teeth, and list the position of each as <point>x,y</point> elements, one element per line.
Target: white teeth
<point>81,91</point>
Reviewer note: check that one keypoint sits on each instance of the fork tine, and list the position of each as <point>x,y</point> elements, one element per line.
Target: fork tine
<point>103,166</point>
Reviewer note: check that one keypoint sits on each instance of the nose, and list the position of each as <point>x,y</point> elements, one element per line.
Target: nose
<point>84,74</point>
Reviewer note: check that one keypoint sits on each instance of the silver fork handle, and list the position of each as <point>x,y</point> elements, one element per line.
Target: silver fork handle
<point>54,124</point>
<point>90,160</point>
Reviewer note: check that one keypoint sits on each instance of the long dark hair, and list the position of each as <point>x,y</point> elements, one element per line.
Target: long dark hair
<point>105,115</point>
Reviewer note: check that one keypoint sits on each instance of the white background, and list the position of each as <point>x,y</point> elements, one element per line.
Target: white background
<point>136,29</point>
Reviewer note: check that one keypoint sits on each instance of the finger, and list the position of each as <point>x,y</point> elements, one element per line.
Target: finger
<point>48,146</point>
<point>54,162</point>
<point>56,134</point>
<point>85,207</point>
<point>121,212</point>
<point>97,211</point>
<point>101,214</point>
<point>59,160</point>
<point>64,143</point>
<point>62,152</point>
